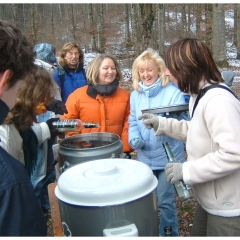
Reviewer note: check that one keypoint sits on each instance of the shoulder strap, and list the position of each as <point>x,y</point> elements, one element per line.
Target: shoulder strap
<point>204,90</point>
<point>62,78</point>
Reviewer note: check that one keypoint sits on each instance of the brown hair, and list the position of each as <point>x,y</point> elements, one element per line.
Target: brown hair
<point>37,88</point>
<point>66,48</point>
<point>190,61</point>
<point>93,68</point>
<point>16,53</point>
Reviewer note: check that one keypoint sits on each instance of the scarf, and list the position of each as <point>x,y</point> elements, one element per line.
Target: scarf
<point>30,149</point>
<point>145,88</point>
<point>103,89</point>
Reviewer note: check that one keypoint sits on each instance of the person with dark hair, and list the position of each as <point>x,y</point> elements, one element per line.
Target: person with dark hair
<point>212,138</point>
<point>71,73</point>
<point>20,213</point>
<point>98,101</point>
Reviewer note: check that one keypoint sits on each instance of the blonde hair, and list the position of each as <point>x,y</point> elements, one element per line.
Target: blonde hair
<point>142,60</point>
<point>66,48</point>
<point>93,68</point>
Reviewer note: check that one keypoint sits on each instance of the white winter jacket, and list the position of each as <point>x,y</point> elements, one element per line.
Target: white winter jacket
<point>11,140</point>
<point>213,147</point>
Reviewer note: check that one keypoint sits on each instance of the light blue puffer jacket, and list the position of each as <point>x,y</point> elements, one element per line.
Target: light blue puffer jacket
<point>153,153</point>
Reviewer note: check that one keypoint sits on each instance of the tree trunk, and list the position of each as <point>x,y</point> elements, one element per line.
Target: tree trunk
<point>219,32</point>
<point>238,31</point>
<point>92,28</point>
<point>198,20</point>
<point>209,26</point>
<point>72,23</point>
<point>100,28</point>
<point>161,25</point>
<point>147,18</point>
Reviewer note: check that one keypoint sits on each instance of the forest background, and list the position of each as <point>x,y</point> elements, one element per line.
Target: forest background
<point>128,29</point>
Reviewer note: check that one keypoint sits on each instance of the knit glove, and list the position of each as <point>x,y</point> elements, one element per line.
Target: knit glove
<point>150,120</point>
<point>57,107</point>
<point>54,132</point>
<point>174,172</point>
<point>136,143</point>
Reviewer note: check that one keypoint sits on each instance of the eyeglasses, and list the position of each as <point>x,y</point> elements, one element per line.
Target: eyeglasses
<point>77,54</point>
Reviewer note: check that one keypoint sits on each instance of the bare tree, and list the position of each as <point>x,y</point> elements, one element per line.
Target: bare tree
<point>100,22</point>
<point>147,18</point>
<point>237,28</point>
<point>91,27</point>
<point>127,25</point>
<point>219,32</point>
<point>161,23</point>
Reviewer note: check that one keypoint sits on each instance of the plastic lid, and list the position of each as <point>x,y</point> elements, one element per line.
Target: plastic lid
<point>105,182</point>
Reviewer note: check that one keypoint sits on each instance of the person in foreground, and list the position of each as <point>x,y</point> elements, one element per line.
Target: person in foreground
<point>153,89</point>
<point>212,139</point>
<point>20,212</point>
<point>102,101</point>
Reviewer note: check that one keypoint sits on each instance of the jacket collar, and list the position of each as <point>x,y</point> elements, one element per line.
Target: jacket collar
<point>152,90</point>
<point>78,68</point>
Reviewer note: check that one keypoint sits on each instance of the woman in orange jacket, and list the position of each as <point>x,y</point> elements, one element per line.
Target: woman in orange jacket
<point>102,100</point>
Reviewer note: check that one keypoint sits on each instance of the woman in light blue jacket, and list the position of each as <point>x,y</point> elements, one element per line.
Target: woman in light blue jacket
<point>153,89</point>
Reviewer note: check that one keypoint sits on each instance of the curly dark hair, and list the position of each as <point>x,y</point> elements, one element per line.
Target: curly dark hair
<point>37,88</point>
<point>16,53</point>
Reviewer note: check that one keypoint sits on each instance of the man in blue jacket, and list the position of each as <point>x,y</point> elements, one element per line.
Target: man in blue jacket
<point>71,74</point>
<point>20,212</point>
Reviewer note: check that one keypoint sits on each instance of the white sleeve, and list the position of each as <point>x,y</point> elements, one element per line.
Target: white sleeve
<point>42,131</point>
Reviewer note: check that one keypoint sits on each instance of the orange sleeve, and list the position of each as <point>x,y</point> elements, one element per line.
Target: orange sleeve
<point>73,112</point>
<point>124,137</point>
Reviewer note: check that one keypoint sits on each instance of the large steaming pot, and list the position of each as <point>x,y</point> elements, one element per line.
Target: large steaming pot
<point>108,197</point>
<point>86,147</point>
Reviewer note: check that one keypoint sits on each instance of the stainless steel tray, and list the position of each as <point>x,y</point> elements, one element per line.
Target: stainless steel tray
<point>167,109</point>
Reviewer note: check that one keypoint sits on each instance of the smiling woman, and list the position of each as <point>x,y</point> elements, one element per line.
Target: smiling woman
<point>153,89</point>
<point>97,102</point>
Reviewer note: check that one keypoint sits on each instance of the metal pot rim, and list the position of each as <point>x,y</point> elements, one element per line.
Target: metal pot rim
<point>90,136</point>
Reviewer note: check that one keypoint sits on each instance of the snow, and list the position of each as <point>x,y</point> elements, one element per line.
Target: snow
<point>231,52</point>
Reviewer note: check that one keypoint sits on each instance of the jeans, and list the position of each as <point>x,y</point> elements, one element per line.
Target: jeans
<point>40,168</point>
<point>41,176</point>
<point>166,203</point>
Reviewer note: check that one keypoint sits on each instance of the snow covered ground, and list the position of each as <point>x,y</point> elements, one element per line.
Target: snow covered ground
<point>234,64</point>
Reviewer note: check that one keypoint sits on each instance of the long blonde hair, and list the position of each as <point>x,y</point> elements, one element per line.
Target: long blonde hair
<point>142,60</point>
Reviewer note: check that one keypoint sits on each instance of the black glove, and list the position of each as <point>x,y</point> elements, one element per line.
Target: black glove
<point>54,132</point>
<point>57,106</point>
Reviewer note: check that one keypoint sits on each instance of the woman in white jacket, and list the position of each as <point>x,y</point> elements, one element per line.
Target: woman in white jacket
<point>21,134</point>
<point>212,139</point>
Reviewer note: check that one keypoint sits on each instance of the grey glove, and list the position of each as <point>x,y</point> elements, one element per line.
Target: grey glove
<point>174,172</point>
<point>136,143</point>
<point>150,120</point>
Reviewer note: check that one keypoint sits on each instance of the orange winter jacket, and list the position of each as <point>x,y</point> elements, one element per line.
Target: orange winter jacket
<point>110,112</point>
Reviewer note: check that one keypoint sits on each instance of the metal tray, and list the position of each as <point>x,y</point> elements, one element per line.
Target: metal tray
<point>167,109</point>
